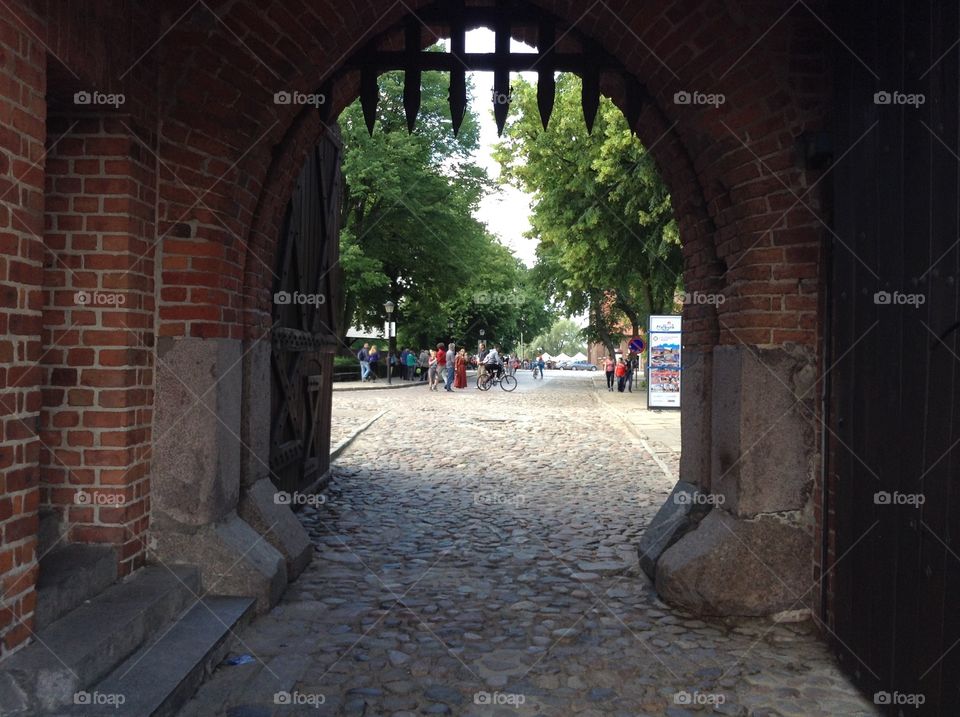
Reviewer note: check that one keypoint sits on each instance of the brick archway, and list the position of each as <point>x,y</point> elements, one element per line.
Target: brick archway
<point>201,162</point>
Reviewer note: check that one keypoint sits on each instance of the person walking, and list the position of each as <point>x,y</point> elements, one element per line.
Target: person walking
<point>433,369</point>
<point>609,368</point>
<point>363,356</point>
<point>451,358</point>
<point>621,372</point>
<point>541,364</point>
<point>633,363</point>
<point>411,364</point>
<point>460,380</point>
<point>441,362</point>
<point>424,364</point>
<point>374,360</point>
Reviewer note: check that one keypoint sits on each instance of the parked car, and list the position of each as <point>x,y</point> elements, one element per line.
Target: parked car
<point>565,365</point>
<point>583,366</point>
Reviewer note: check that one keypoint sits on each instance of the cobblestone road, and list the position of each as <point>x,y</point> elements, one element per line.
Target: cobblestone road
<point>476,556</point>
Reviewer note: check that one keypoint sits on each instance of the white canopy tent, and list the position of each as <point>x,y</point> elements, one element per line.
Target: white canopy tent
<point>579,356</point>
<point>561,357</point>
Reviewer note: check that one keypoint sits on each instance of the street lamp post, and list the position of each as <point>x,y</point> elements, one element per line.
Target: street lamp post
<point>388,307</point>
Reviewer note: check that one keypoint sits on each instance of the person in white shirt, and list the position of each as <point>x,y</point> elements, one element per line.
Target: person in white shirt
<point>492,362</point>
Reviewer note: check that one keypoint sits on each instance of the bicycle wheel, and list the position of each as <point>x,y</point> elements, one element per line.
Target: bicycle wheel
<point>483,382</point>
<point>508,383</point>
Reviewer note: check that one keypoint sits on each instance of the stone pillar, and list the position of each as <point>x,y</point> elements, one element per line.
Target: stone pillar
<point>198,453</point>
<point>695,423</point>
<point>752,553</point>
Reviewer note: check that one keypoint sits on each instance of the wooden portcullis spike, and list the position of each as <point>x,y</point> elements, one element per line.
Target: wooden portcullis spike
<point>590,98</point>
<point>412,75</point>
<point>636,97</point>
<point>501,75</point>
<point>369,96</point>
<point>546,82</point>
<point>458,75</point>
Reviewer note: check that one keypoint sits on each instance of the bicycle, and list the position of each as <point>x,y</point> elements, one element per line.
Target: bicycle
<point>537,373</point>
<point>489,378</point>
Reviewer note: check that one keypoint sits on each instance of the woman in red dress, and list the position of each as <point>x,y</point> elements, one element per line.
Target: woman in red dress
<point>460,376</point>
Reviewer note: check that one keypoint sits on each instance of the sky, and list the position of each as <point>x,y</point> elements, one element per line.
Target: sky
<point>506,212</point>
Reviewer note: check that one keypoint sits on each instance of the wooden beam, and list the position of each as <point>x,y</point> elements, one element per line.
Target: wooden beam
<point>386,60</point>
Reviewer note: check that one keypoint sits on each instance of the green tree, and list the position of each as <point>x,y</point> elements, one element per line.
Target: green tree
<point>608,243</point>
<point>409,234</point>
<point>563,337</point>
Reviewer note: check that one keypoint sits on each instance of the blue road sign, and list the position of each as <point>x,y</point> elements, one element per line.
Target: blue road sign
<point>637,345</point>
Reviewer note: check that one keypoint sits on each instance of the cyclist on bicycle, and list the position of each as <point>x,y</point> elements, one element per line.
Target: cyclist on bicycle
<point>492,363</point>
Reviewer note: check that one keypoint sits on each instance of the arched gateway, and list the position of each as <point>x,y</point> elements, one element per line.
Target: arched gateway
<point>148,163</point>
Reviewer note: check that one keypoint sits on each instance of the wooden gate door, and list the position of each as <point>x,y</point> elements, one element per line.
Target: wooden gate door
<point>304,335</point>
<point>894,428</point>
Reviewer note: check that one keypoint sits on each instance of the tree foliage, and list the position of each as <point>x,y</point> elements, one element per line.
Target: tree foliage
<point>408,231</point>
<point>608,243</point>
<point>563,337</point>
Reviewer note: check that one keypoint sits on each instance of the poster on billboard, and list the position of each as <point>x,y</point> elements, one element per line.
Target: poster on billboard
<point>663,381</point>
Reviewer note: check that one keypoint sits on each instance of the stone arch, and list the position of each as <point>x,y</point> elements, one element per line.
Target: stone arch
<point>204,161</point>
<point>738,183</point>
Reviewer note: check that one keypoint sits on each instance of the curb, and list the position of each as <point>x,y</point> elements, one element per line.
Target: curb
<point>345,443</point>
<point>347,387</point>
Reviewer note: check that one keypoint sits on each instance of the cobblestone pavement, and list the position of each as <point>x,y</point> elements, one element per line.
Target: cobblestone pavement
<point>476,556</point>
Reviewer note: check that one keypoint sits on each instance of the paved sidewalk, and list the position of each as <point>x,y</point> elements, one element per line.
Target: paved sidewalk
<point>476,555</point>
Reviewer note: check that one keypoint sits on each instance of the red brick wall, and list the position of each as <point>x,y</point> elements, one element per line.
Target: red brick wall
<point>22,115</point>
<point>98,332</point>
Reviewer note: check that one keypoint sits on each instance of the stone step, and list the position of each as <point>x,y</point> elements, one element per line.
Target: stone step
<point>160,677</point>
<point>86,644</point>
<point>70,575</point>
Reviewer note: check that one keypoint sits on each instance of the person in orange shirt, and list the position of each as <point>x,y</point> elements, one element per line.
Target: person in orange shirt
<point>621,371</point>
